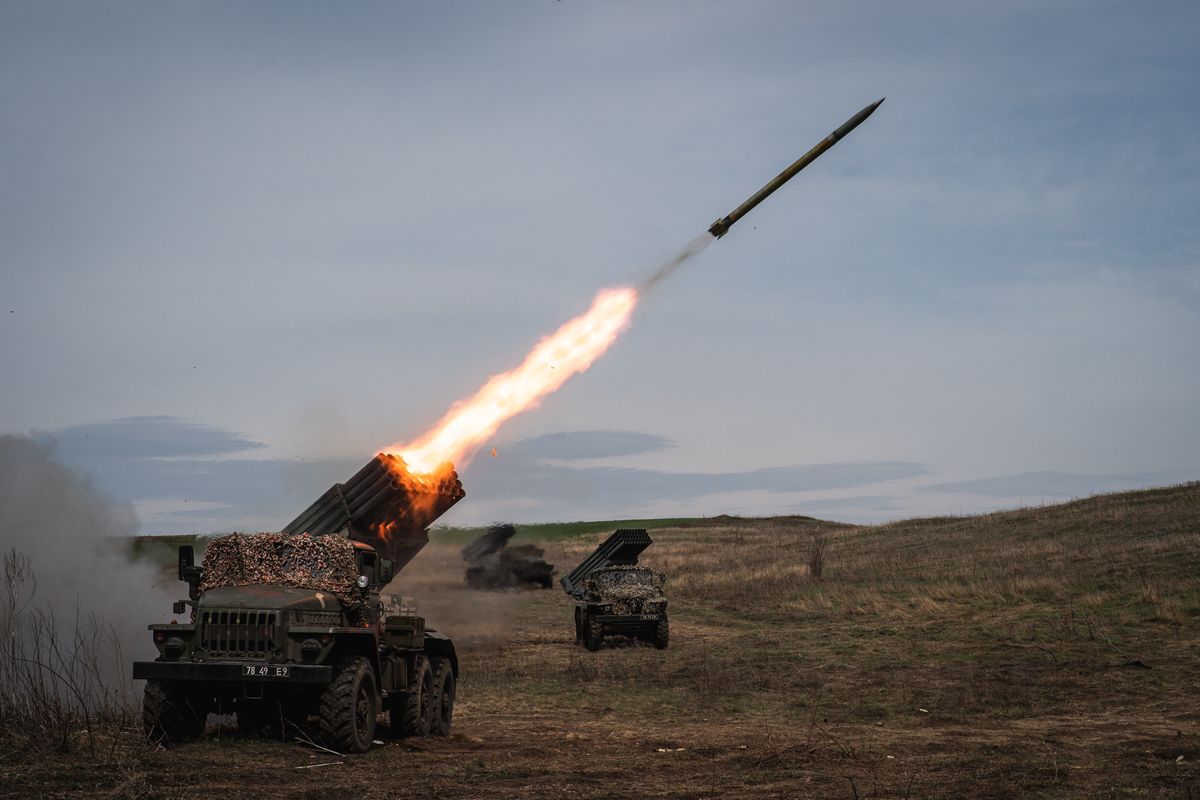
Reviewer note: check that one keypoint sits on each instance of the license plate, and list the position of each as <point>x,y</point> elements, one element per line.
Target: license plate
<point>264,671</point>
<point>649,616</point>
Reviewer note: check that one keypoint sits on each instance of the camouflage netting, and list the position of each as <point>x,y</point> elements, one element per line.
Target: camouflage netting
<point>627,588</point>
<point>320,563</point>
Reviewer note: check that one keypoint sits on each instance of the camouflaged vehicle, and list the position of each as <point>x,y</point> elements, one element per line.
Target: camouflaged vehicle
<point>614,596</point>
<point>495,564</point>
<point>288,629</point>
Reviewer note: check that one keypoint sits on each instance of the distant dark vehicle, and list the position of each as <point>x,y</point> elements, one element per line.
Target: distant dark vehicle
<point>289,626</point>
<point>495,564</point>
<point>614,596</point>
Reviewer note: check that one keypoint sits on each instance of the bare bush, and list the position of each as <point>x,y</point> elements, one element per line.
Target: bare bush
<point>55,673</point>
<point>816,555</point>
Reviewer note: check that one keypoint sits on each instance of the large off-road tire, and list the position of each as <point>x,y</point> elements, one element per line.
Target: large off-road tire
<point>172,713</point>
<point>593,635</point>
<point>349,706</point>
<point>662,634</point>
<point>411,711</point>
<point>578,627</point>
<point>442,705</point>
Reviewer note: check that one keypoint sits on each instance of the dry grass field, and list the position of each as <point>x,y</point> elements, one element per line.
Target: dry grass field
<point>1044,652</point>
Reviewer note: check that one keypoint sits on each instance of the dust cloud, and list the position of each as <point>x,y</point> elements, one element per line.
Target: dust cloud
<point>74,538</point>
<point>434,584</point>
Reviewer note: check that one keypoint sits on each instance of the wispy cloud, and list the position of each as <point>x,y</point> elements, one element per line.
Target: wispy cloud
<point>150,437</point>
<point>1056,484</point>
<point>530,475</point>
<point>172,470</point>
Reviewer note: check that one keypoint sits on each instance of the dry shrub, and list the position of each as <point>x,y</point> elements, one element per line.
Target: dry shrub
<point>55,684</point>
<point>816,555</point>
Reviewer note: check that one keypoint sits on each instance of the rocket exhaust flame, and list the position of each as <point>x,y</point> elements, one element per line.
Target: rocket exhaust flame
<point>572,348</point>
<point>566,352</point>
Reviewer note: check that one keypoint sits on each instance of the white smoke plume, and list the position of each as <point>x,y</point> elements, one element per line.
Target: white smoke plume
<point>75,540</point>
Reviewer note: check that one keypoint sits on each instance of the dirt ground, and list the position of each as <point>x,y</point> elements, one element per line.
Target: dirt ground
<point>1037,653</point>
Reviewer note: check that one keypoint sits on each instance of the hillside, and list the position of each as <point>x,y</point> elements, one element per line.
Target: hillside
<point>1042,652</point>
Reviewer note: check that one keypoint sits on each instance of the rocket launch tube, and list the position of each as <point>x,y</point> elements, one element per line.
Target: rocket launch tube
<point>379,495</point>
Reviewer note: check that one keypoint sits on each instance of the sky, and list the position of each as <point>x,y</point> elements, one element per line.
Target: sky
<point>244,246</point>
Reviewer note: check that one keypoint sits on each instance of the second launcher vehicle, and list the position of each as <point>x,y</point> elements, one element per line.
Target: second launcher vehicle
<point>615,596</point>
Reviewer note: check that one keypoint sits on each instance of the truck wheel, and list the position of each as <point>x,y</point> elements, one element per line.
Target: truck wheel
<point>578,628</point>
<point>662,634</point>
<point>170,713</point>
<point>593,635</point>
<point>349,706</point>
<point>410,711</point>
<point>443,697</point>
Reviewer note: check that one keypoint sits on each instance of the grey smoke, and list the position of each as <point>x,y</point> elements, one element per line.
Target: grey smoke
<point>76,540</point>
<point>694,247</point>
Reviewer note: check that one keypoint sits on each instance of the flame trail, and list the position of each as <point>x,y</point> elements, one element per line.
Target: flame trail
<point>568,351</point>
<point>574,346</point>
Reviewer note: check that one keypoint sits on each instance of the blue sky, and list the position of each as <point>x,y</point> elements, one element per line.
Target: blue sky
<point>243,246</point>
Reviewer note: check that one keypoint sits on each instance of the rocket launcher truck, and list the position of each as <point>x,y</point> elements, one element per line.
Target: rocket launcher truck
<point>289,627</point>
<point>614,596</point>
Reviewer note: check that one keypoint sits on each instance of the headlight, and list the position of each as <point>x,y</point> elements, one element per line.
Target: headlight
<point>173,647</point>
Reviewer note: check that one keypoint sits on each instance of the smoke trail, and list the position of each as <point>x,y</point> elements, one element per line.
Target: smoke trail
<point>694,248</point>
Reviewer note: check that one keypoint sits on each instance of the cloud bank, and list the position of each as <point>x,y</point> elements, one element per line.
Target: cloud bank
<point>184,479</point>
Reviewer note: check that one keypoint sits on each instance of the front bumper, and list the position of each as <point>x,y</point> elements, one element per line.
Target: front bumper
<point>231,672</point>
<point>631,623</point>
